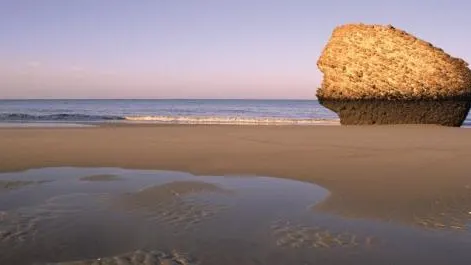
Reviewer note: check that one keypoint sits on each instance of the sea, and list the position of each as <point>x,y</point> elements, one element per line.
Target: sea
<point>85,112</point>
<point>164,111</point>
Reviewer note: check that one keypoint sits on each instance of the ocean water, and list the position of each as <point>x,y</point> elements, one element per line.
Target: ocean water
<point>277,112</point>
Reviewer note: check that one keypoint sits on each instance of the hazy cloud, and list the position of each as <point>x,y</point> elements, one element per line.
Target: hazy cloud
<point>34,64</point>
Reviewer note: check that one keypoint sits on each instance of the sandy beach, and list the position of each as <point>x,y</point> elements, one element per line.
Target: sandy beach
<point>384,172</point>
<point>235,133</point>
<point>404,180</point>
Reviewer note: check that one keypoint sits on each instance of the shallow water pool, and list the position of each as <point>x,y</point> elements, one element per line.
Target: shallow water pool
<point>116,216</point>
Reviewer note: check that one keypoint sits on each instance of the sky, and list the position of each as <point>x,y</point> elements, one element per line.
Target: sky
<point>265,49</point>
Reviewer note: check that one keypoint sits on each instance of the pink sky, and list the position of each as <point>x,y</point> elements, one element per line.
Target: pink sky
<point>194,49</point>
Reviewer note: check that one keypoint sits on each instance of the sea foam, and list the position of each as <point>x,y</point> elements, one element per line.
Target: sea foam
<point>229,120</point>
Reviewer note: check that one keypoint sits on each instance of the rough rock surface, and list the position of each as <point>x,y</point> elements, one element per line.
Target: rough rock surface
<point>391,76</point>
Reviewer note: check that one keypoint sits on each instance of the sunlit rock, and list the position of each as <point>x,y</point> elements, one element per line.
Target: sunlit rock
<point>382,75</point>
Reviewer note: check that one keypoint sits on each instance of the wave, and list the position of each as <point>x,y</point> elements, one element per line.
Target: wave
<point>229,120</point>
<point>75,117</point>
<point>57,117</point>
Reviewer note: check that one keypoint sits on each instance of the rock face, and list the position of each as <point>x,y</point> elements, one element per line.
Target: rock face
<point>382,75</point>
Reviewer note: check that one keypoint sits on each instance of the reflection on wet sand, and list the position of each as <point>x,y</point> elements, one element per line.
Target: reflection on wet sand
<point>445,210</point>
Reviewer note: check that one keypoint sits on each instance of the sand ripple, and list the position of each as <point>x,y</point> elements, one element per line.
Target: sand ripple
<point>299,236</point>
<point>7,185</point>
<point>16,228</point>
<point>23,225</point>
<point>175,204</point>
<point>138,257</point>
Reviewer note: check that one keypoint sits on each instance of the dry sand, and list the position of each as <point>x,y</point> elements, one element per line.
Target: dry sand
<point>411,174</point>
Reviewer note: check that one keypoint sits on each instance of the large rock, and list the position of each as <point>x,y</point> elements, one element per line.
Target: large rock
<point>381,75</point>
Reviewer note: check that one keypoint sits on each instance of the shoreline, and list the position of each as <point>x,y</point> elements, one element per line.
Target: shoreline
<point>175,120</point>
<point>381,172</point>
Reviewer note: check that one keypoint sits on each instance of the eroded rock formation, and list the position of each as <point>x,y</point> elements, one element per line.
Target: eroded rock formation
<point>382,75</point>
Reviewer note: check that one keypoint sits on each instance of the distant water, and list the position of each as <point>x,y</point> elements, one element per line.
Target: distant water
<point>277,112</point>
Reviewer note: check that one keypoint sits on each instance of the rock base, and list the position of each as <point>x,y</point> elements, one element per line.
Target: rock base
<point>363,112</point>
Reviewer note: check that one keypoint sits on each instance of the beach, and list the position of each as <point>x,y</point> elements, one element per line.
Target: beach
<point>411,176</point>
<point>235,133</point>
<point>388,164</point>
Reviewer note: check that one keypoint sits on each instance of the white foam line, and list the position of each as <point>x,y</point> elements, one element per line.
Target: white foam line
<point>229,120</point>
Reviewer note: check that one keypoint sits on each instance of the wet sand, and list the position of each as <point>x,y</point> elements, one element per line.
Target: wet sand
<point>138,257</point>
<point>166,217</point>
<point>100,178</point>
<point>384,172</point>
<point>17,184</point>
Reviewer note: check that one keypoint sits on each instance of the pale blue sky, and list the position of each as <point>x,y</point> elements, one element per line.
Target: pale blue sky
<point>194,48</point>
